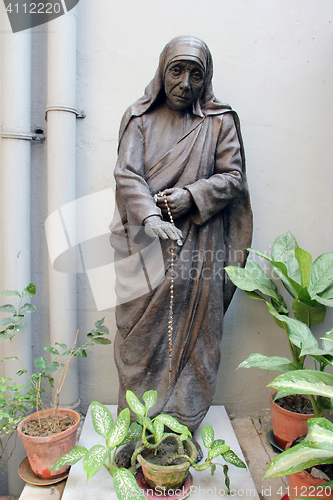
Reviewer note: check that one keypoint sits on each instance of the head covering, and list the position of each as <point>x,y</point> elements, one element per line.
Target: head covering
<point>181,47</point>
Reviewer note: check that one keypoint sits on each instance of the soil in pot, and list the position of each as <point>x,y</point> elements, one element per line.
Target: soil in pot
<point>288,424</point>
<point>43,451</point>
<point>166,450</point>
<point>296,403</point>
<point>46,427</point>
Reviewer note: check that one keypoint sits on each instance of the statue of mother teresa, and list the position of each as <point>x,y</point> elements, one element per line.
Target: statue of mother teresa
<point>179,149</point>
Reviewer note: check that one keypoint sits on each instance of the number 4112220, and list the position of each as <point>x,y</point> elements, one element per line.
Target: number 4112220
<point>34,8</point>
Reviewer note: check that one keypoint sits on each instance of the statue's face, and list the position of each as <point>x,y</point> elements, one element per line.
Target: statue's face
<point>182,84</point>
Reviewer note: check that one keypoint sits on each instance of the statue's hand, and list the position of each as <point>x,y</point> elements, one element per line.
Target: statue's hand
<point>155,226</point>
<point>179,201</point>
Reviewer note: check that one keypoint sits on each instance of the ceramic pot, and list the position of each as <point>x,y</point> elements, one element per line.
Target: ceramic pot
<point>43,452</point>
<point>167,476</point>
<point>287,425</point>
<point>303,485</point>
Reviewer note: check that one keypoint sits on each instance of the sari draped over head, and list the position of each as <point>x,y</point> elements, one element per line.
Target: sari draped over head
<point>200,150</point>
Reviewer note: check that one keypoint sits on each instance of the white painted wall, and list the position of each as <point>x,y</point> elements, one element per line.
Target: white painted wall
<point>273,63</point>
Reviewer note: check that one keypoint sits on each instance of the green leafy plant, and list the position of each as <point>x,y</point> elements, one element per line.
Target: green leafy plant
<point>121,432</point>
<point>311,288</point>
<point>179,433</point>
<point>317,447</point>
<point>63,355</point>
<point>15,401</point>
<point>115,434</point>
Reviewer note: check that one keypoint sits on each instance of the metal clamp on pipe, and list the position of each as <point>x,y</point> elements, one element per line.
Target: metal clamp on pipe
<point>68,109</point>
<point>36,136</point>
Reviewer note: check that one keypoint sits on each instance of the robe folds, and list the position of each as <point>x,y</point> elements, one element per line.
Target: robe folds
<point>158,150</point>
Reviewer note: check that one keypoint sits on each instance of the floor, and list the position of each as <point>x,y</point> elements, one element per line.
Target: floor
<point>251,435</point>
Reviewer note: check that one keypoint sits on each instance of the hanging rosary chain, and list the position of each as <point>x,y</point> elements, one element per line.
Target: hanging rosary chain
<point>170,322</point>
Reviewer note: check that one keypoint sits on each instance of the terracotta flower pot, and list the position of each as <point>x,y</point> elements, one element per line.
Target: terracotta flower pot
<point>287,425</point>
<point>167,476</point>
<point>43,452</point>
<point>303,485</point>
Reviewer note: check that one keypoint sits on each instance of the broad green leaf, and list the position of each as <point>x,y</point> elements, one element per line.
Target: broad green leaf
<point>217,442</point>
<point>226,477</point>
<point>29,290</point>
<point>125,485</point>
<point>52,350</point>
<point>135,405</point>
<point>70,458</point>
<point>52,367</point>
<point>257,360</point>
<point>21,326</point>
<point>9,293</point>
<point>173,424</point>
<point>8,308</point>
<point>252,278</point>
<point>80,353</point>
<point>315,449</point>
<point>299,333</point>
<point>120,429</point>
<point>207,435</point>
<point>27,308</point>
<point>40,363</point>
<point>285,272</point>
<point>99,323</point>
<point>101,340</point>
<point>134,434</point>
<point>283,250</point>
<point>305,382</point>
<point>150,399</point>
<point>101,418</point>
<point>94,460</point>
<point>159,430</point>
<point>304,260</point>
<point>6,321</point>
<point>102,330</point>
<point>232,458</point>
<point>322,273</point>
<point>328,340</point>
<point>307,314</point>
<point>218,450</point>
<point>63,346</point>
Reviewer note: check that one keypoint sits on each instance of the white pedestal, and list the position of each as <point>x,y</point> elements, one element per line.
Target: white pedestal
<point>100,487</point>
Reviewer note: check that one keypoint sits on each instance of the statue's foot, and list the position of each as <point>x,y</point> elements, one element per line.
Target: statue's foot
<point>124,455</point>
<point>198,448</point>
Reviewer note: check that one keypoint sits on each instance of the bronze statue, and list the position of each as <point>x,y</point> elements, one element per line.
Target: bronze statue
<point>179,149</point>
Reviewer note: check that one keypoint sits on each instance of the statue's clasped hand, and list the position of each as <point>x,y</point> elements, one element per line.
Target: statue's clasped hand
<point>179,201</point>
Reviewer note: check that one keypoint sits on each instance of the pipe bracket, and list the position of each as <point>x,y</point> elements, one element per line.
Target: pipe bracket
<point>68,109</point>
<point>36,136</point>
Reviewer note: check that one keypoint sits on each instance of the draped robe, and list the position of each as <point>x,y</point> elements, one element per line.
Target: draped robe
<point>158,150</point>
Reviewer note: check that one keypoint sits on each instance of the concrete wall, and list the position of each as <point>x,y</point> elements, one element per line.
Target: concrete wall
<point>273,64</point>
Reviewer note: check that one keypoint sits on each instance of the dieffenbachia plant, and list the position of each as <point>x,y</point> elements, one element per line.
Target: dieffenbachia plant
<point>311,287</point>
<point>179,432</point>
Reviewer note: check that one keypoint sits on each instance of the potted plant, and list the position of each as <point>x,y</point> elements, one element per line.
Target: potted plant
<point>316,449</point>
<point>48,432</point>
<point>120,433</point>
<point>311,288</point>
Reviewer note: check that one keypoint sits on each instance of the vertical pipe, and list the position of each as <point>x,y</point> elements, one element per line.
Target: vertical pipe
<point>61,163</point>
<point>15,192</point>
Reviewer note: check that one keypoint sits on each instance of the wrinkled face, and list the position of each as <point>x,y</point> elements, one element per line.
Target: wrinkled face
<point>182,83</point>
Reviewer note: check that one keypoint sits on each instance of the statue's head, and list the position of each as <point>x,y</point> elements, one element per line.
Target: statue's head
<point>184,62</point>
